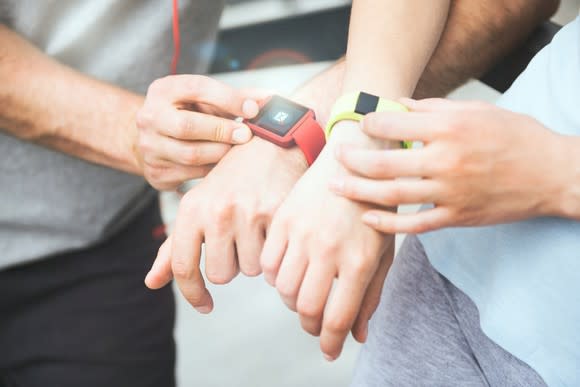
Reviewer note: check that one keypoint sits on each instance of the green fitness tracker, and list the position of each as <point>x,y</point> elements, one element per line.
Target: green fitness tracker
<point>355,106</point>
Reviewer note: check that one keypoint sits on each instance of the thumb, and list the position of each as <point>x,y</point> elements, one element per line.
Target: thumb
<point>430,105</point>
<point>160,273</point>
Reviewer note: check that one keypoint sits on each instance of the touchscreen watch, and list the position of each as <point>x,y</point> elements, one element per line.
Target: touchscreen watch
<point>286,123</point>
<point>355,106</point>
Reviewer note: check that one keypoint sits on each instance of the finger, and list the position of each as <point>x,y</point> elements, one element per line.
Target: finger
<point>420,222</point>
<point>185,258</point>
<point>313,295</point>
<point>160,273</point>
<point>386,164</point>
<point>221,264</point>
<point>274,250</point>
<point>249,243</point>
<point>430,105</point>
<point>290,275</point>
<point>373,296</point>
<point>341,313</point>
<point>387,193</point>
<point>261,96</point>
<point>434,105</point>
<point>186,153</point>
<point>188,89</point>
<point>194,126</point>
<point>397,126</point>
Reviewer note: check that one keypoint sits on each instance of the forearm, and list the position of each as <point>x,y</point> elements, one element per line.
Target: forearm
<point>384,55</point>
<point>44,102</point>
<point>477,34</point>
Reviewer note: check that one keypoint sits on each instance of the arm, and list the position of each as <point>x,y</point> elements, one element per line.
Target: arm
<point>248,201</point>
<point>317,236</point>
<point>45,102</point>
<point>469,161</point>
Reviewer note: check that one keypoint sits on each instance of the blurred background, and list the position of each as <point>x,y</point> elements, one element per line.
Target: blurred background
<point>251,339</point>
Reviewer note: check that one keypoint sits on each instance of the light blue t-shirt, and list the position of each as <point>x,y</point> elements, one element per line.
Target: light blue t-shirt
<point>524,277</point>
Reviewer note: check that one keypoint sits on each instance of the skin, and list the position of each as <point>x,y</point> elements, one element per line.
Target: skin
<point>468,161</point>
<point>297,259</point>
<point>175,133</point>
<point>464,38</point>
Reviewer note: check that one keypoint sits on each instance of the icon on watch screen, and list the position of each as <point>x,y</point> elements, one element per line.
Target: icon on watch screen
<point>281,117</point>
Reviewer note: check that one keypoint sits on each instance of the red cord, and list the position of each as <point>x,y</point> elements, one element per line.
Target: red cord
<point>176,37</point>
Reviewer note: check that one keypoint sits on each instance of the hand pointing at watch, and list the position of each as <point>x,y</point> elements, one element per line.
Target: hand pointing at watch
<point>186,125</point>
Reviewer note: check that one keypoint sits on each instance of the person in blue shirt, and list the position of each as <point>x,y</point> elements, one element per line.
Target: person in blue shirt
<point>486,290</point>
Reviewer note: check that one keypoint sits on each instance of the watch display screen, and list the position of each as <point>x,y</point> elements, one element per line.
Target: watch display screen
<point>279,116</point>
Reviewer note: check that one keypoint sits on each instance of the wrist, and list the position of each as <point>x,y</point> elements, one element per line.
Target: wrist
<point>293,156</point>
<point>565,202</point>
<point>131,138</point>
<point>349,132</point>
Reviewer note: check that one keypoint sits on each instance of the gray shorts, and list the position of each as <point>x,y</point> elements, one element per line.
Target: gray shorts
<point>426,332</point>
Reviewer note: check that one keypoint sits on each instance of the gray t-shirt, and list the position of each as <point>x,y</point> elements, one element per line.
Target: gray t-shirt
<point>51,202</point>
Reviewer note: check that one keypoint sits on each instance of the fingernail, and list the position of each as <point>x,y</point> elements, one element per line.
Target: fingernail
<point>337,185</point>
<point>328,357</point>
<point>250,108</point>
<point>338,152</point>
<point>241,135</point>
<point>204,309</point>
<point>371,219</point>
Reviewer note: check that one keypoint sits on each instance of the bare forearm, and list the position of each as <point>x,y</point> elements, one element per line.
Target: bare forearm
<point>477,34</point>
<point>44,102</point>
<point>385,56</point>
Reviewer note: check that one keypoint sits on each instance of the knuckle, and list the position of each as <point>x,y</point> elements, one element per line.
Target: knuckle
<point>144,118</point>
<point>419,227</point>
<point>286,289</point>
<point>308,309</point>
<point>223,211</point>
<point>181,269</point>
<point>196,296</point>
<point>360,267</point>
<point>328,247</point>
<point>192,155</point>
<point>184,128</point>
<point>393,195</point>
<point>189,203</point>
<point>196,82</point>
<point>158,86</point>
<point>337,325</point>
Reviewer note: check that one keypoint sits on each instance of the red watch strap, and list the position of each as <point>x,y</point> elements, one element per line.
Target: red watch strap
<point>310,139</point>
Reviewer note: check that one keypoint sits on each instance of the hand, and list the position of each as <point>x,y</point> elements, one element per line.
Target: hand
<point>185,127</point>
<point>230,210</point>
<point>316,236</point>
<point>479,165</point>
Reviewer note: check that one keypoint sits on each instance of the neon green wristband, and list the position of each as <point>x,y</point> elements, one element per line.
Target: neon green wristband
<point>355,106</point>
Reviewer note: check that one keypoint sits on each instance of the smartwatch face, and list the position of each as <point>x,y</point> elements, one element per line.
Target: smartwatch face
<point>279,116</point>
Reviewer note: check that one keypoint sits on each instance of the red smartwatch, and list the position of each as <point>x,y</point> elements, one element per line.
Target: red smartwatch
<point>286,124</point>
